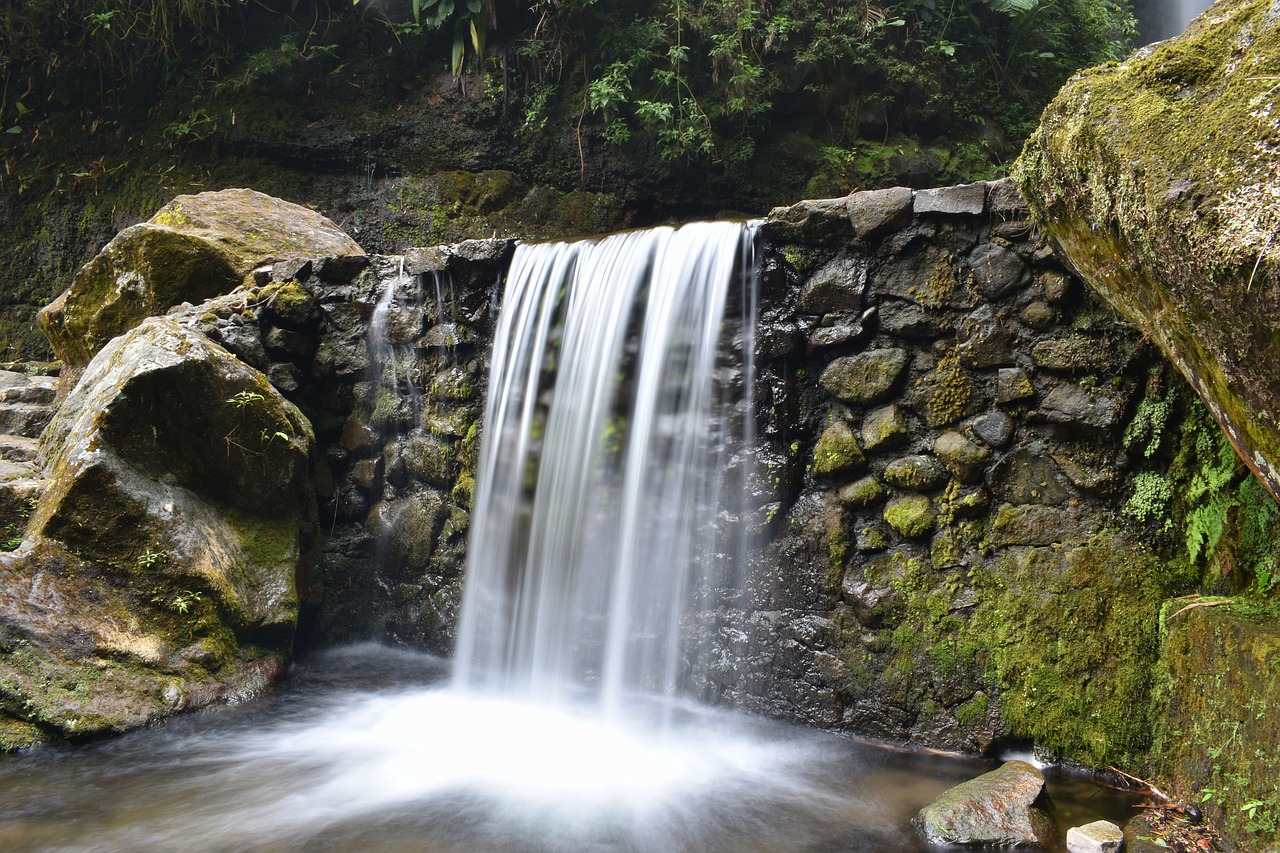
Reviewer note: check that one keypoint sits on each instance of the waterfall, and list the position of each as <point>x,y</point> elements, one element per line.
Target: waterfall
<point>611,463</point>
<point>1162,19</point>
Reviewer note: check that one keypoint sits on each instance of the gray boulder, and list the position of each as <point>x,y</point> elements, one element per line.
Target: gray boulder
<point>1006,807</point>
<point>195,247</point>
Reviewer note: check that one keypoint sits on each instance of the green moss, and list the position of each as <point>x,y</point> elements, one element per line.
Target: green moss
<point>1218,743</point>
<point>19,734</point>
<point>464,491</point>
<point>837,451</point>
<point>801,258</point>
<point>913,516</point>
<point>1072,636</point>
<point>973,713</point>
<point>1157,177</point>
<point>862,493</point>
<point>951,391</point>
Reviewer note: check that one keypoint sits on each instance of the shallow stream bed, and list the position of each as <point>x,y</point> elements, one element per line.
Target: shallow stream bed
<point>363,749</point>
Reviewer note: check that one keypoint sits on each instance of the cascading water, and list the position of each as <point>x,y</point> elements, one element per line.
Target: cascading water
<point>605,472</point>
<point>1162,19</point>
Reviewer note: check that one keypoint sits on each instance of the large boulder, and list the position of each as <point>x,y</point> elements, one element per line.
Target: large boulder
<point>1006,807</point>
<point>195,247</point>
<point>1158,178</point>
<point>160,569</point>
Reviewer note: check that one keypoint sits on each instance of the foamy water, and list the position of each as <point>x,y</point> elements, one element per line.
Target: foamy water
<point>358,754</point>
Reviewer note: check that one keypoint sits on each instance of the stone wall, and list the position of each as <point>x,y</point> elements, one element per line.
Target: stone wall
<point>396,427</point>
<point>940,472</point>
<point>941,483</point>
<point>964,498</point>
<point>945,410</point>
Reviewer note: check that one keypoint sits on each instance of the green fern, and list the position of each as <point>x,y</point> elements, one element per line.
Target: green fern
<point>1205,525</point>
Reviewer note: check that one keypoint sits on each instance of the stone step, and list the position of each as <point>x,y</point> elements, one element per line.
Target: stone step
<point>40,390</point>
<point>18,498</point>
<point>24,419</point>
<point>19,448</point>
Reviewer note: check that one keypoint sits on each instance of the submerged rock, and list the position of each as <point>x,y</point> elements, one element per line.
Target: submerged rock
<point>195,247</point>
<point>1007,807</point>
<point>1101,836</point>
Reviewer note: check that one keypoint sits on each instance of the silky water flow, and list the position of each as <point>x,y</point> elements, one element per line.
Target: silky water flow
<point>608,521</point>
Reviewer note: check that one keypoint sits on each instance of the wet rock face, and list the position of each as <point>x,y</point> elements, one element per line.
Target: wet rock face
<point>396,423</point>
<point>1180,243</point>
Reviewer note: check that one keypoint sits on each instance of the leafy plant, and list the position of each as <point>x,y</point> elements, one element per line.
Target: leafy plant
<point>183,601</point>
<point>151,559</point>
<point>243,398</point>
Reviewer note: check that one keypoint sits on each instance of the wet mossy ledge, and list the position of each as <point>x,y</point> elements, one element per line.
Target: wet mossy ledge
<point>979,495</point>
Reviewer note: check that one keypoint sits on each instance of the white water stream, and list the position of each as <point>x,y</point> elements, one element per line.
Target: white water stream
<point>1162,19</point>
<point>603,476</point>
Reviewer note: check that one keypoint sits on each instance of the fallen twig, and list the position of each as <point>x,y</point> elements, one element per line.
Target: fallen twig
<point>1211,602</point>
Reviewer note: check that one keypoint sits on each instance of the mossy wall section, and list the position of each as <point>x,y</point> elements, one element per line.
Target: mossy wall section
<point>944,471</point>
<point>387,356</point>
<point>1219,744</point>
<point>1157,179</point>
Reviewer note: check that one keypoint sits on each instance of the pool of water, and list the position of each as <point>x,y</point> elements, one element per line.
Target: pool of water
<point>363,749</point>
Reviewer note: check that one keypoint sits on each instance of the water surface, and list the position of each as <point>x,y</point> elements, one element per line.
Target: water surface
<point>366,749</point>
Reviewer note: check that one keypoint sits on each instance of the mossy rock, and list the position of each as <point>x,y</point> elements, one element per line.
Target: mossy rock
<point>884,428</point>
<point>915,473</point>
<point>867,377</point>
<point>837,451</point>
<point>177,529</point>
<point>862,493</point>
<point>1072,633</point>
<point>1217,738</point>
<point>195,247</point>
<point>1158,179</point>
<point>914,516</point>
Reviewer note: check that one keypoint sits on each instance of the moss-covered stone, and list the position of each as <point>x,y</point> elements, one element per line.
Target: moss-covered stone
<point>862,493</point>
<point>1158,179</point>
<point>175,535</point>
<point>867,377</point>
<point>916,473</point>
<point>1217,739</point>
<point>193,248</point>
<point>913,516</point>
<point>884,428</point>
<point>962,458</point>
<point>1072,634</point>
<point>837,451</point>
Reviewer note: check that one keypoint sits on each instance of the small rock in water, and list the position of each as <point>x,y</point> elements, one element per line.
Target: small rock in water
<point>1006,807</point>
<point>1101,836</point>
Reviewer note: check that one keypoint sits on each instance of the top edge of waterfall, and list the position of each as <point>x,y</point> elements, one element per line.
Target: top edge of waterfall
<point>750,225</point>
